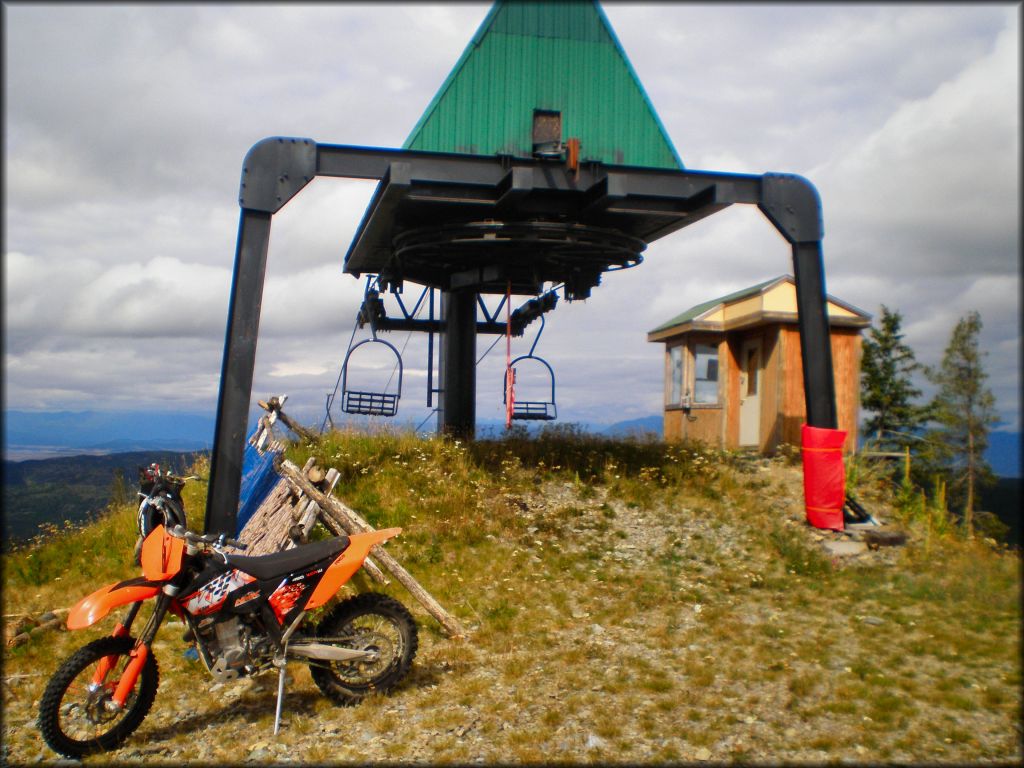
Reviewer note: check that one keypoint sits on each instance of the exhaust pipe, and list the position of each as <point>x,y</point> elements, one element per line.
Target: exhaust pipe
<point>329,652</point>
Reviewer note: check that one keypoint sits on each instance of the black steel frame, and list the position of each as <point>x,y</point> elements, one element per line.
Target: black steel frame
<point>660,201</point>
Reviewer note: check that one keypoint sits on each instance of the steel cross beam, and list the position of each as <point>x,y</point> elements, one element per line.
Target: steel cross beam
<point>276,169</point>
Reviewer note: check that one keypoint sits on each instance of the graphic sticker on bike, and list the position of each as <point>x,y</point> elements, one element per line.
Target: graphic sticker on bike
<point>212,595</point>
<point>284,598</point>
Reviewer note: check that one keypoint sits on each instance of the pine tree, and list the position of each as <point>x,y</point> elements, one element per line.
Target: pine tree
<point>886,387</point>
<point>964,409</point>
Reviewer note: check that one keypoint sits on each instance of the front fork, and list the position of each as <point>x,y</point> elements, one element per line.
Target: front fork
<point>139,654</point>
<point>121,630</point>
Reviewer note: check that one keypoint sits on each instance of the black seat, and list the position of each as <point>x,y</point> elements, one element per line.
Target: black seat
<point>281,563</point>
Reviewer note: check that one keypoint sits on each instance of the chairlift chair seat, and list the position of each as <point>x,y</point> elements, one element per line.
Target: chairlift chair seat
<point>369,403</point>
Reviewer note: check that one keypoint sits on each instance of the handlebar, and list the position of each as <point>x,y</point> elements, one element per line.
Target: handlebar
<point>214,540</point>
<point>153,473</point>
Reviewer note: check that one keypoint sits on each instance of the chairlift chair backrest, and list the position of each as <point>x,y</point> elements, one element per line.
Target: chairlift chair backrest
<point>533,410</point>
<point>370,403</point>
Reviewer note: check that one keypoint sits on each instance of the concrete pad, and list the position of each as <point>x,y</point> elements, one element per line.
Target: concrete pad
<point>845,548</point>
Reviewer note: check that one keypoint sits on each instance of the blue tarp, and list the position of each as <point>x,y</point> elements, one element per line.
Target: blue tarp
<point>258,480</point>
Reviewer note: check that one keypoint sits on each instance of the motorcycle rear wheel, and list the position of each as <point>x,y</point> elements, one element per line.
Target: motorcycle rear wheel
<point>74,720</point>
<point>370,621</point>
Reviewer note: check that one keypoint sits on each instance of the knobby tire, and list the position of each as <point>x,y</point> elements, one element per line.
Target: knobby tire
<point>339,680</point>
<point>82,660</point>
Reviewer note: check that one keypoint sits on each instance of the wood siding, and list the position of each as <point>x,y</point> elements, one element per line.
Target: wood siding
<point>783,409</point>
<point>705,423</point>
<point>846,352</point>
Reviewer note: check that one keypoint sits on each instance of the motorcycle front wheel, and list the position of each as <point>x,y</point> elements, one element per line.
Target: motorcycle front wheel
<point>368,622</point>
<point>73,714</point>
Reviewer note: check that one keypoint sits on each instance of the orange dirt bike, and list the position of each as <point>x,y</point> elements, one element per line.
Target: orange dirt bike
<point>246,615</point>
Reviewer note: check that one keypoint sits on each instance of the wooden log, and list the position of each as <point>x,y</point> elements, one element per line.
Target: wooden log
<point>342,515</point>
<point>305,517</point>
<point>268,529</point>
<point>273,405</point>
<point>309,515</point>
<point>312,512</point>
<point>332,525</point>
<point>23,637</point>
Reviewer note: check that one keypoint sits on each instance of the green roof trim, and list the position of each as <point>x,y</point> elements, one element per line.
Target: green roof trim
<point>558,56</point>
<point>695,312</point>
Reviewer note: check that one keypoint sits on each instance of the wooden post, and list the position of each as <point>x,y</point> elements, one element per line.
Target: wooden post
<point>352,523</point>
<point>274,406</point>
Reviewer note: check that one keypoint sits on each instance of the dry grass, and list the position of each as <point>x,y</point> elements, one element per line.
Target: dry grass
<point>629,602</point>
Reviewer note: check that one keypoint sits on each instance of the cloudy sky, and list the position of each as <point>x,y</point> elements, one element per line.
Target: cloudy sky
<point>125,127</point>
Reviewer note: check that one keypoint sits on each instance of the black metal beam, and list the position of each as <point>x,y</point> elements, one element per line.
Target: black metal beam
<point>437,326</point>
<point>792,204</point>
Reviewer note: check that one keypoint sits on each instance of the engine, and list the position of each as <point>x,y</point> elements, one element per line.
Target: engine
<point>234,648</point>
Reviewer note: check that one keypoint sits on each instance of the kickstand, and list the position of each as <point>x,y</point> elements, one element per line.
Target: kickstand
<point>281,662</point>
<point>280,698</point>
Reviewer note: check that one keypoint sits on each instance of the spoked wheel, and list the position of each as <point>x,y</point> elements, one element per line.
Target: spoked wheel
<point>74,716</point>
<point>368,622</point>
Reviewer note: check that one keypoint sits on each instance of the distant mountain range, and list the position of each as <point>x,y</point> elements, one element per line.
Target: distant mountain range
<point>35,435</point>
<point>31,434</point>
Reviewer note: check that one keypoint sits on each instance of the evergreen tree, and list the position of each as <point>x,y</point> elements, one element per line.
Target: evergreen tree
<point>885,383</point>
<point>964,409</point>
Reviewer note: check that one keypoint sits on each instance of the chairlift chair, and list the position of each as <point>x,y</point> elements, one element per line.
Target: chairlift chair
<point>369,403</point>
<point>532,410</point>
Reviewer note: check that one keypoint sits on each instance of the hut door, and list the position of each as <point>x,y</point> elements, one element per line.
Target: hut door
<point>750,393</point>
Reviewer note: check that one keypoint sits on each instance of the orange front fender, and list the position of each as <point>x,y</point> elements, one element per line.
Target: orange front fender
<point>91,609</point>
<point>348,562</point>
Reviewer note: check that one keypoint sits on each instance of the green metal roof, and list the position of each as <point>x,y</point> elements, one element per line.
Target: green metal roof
<point>700,309</point>
<point>558,56</point>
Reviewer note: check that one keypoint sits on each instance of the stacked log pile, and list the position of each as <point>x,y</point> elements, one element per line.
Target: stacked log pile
<point>304,497</point>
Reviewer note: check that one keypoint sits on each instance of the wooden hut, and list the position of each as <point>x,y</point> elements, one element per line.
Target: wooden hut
<point>733,369</point>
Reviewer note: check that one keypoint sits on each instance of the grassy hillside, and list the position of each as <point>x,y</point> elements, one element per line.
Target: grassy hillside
<point>39,494</point>
<point>628,602</point>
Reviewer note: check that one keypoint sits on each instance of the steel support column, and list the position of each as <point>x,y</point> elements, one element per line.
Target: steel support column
<point>815,340</point>
<point>456,414</point>
<point>792,204</point>
<point>237,371</point>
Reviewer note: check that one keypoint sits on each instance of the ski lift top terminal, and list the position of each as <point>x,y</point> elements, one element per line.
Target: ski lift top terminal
<point>550,179</point>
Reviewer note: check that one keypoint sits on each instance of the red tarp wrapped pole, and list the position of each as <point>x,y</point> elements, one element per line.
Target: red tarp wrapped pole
<point>824,476</point>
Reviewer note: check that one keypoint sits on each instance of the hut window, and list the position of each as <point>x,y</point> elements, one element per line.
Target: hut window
<point>705,376</point>
<point>675,372</point>
<point>751,370</point>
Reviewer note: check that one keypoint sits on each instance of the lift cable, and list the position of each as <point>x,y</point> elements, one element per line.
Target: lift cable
<point>330,397</point>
